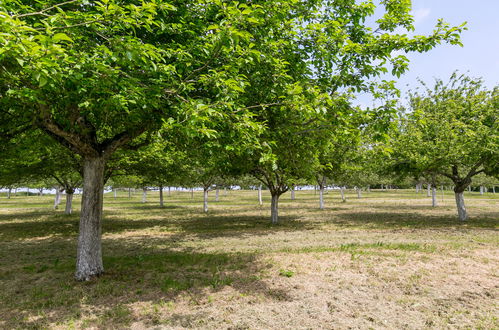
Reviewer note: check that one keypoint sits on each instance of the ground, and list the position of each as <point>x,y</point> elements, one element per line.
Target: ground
<point>385,261</point>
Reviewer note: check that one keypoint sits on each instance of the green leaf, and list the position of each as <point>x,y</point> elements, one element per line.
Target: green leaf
<point>61,37</point>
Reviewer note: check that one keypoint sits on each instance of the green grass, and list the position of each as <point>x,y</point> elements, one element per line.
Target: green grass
<point>160,260</point>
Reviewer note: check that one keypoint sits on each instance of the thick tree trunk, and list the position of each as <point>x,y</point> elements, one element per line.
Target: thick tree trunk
<point>217,194</point>
<point>161,203</point>
<point>69,202</point>
<point>89,254</point>
<point>260,202</point>
<point>342,191</point>
<point>461,209</point>
<point>321,197</point>
<point>205,200</point>
<point>293,193</point>
<point>274,208</point>
<point>144,195</point>
<point>434,196</point>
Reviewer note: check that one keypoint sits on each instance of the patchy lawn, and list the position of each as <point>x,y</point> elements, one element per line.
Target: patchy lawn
<point>387,260</point>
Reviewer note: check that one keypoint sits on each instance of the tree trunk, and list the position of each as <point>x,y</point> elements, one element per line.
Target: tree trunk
<point>192,192</point>
<point>481,189</point>
<point>321,197</point>
<point>89,254</point>
<point>205,200</point>
<point>368,188</point>
<point>417,188</point>
<point>274,208</point>
<point>169,192</point>
<point>40,192</point>
<point>434,196</point>
<point>461,209</point>
<point>469,188</point>
<point>57,199</point>
<point>225,192</point>
<point>69,202</point>
<point>129,192</point>
<point>260,202</point>
<point>161,204</point>
<point>217,194</point>
<point>428,190</point>
<point>342,191</point>
<point>114,192</point>
<point>293,193</point>
<point>27,191</point>
<point>359,192</point>
<point>144,195</point>
<point>8,193</point>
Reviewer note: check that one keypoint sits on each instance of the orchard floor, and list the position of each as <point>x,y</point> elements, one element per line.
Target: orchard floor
<point>385,261</point>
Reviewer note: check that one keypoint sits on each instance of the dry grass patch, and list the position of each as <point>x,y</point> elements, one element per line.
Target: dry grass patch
<point>387,260</point>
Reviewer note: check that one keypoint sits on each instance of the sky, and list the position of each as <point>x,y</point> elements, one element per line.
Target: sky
<point>479,57</point>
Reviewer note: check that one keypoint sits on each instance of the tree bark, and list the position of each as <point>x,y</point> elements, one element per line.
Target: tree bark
<point>434,196</point>
<point>461,209</point>
<point>293,193</point>
<point>169,192</point>
<point>428,190</point>
<point>9,192</point>
<point>274,208</point>
<point>481,189</point>
<point>321,197</point>
<point>359,192</point>
<point>129,192</point>
<point>161,204</point>
<point>114,192</point>
<point>144,195</point>
<point>57,199</point>
<point>40,192</point>
<point>342,191</point>
<point>69,202</point>
<point>217,194</point>
<point>192,192</point>
<point>205,200</point>
<point>89,253</point>
<point>260,202</point>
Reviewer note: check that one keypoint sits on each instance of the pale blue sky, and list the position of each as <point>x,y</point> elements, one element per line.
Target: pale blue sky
<point>480,54</point>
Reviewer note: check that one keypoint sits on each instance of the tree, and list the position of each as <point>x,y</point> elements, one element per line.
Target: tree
<point>450,130</point>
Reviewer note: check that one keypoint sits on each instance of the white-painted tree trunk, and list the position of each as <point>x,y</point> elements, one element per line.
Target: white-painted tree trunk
<point>469,188</point>
<point>114,193</point>
<point>321,197</point>
<point>274,209</point>
<point>417,188</point>
<point>89,253</point>
<point>144,195</point>
<point>57,199</point>
<point>342,191</point>
<point>40,192</point>
<point>428,190</point>
<point>481,189</point>
<point>293,193</point>
<point>161,201</point>
<point>217,194</point>
<point>434,196</point>
<point>359,192</point>
<point>260,201</point>
<point>205,200</point>
<point>461,209</point>
<point>69,203</point>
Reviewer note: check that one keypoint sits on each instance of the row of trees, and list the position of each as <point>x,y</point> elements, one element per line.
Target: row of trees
<point>218,89</point>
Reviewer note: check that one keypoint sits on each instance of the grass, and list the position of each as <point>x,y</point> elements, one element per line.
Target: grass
<point>387,260</point>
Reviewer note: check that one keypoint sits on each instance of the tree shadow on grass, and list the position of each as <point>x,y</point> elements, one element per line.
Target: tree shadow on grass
<point>397,220</point>
<point>35,293</point>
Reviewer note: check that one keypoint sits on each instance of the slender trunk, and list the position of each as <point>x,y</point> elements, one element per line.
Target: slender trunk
<point>27,191</point>
<point>129,192</point>
<point>469,188</point>
<point>321,197</point>
<point>192,192</point>
<point>114,193</point>
<point>205,200</point>
<point>217,194</point>
<point>461,209</point>
<point>293,193</point>
<point>443,194</point>
<point>481,189</point>
<point>274,208</point>
<point>434,196</point>
<point>260,202</point>
<point>89,254</point>
<point>359,192</point>
<point>69,202</point>
<point>417,188</point>
<point>428,190</point>
<point>57,199</point>
<point>8,193</point>
<point>494,189</point>
<point>368,188</point>
<point>40,192</point>
<point>225,192</point>
<point>169,192</point>
<point>161,204</point>
<point>144,195</point>
<point>342,191</point>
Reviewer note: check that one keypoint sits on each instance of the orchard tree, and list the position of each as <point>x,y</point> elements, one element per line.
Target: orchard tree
<point>451,130</point>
